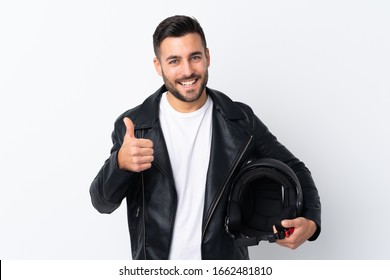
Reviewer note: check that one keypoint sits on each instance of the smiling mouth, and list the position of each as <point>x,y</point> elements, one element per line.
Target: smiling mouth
<point>188,83</point>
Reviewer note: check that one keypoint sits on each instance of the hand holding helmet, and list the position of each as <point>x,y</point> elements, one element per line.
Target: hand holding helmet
<point>303,230</point>
<point>264,193</point>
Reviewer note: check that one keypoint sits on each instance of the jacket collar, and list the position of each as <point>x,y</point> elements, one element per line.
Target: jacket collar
<point>151,105</point>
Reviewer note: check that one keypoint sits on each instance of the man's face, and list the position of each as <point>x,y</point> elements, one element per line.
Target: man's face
<point>183,64</point>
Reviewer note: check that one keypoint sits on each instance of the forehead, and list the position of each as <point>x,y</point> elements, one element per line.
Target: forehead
<point>181,46</point>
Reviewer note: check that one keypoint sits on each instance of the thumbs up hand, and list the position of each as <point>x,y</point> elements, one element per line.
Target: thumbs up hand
<point>135,154</point>
<point>129,127</point>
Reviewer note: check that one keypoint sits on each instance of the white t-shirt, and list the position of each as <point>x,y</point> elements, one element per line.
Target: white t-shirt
<point>188,139</point>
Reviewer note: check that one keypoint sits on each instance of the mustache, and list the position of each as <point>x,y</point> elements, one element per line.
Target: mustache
<point>191,77</point>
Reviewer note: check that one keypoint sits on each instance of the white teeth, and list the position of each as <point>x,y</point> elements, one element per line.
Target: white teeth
<point>188,83</point>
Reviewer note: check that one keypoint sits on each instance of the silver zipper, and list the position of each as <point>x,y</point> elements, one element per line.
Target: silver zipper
<point>224,186</point>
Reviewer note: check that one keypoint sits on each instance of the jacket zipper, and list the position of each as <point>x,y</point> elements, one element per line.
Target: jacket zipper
<point>224,186</point>
<point>143,206</point>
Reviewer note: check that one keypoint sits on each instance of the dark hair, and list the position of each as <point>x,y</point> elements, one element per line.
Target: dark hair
<point>176,26</point>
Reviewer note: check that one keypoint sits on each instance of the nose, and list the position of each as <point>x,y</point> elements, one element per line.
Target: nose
<point>187,69</point>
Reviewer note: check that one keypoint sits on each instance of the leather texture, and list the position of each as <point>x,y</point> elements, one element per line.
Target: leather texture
<point>238,136</point>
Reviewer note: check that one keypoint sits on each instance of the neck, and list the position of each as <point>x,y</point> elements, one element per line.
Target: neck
<point>186,107</point>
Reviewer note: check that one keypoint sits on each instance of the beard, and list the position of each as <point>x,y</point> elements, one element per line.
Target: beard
<point>191,95</point>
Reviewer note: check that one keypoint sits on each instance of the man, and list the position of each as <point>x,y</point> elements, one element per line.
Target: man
<point>175,156</point>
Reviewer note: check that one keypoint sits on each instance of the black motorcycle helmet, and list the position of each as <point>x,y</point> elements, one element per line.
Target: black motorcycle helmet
<point>264,192</point>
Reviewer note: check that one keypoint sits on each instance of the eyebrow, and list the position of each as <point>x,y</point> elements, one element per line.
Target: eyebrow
<point>172,57</point>
<point>176,56</point>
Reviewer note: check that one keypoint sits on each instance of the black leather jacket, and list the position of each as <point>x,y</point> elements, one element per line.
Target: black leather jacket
<point>238,135</point>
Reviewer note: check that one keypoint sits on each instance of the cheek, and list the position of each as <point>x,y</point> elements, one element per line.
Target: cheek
<point>202,67</point>
<point>169,74</point>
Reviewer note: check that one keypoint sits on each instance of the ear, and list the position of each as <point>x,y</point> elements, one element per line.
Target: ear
<point>157,66</point>
<point>208,57</point>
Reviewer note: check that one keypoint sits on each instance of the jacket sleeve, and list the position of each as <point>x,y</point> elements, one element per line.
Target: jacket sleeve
<point>110,185</point>
<point>267,146</point>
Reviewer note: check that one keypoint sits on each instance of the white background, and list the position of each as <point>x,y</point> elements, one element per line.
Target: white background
<point>316,72</point>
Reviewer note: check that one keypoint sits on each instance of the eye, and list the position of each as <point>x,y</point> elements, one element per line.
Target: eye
<point>196,57</point>
<point>173,61</point>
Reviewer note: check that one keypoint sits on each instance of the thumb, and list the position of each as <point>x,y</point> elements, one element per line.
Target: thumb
<point>287,223</point>
<point>129,127</point>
